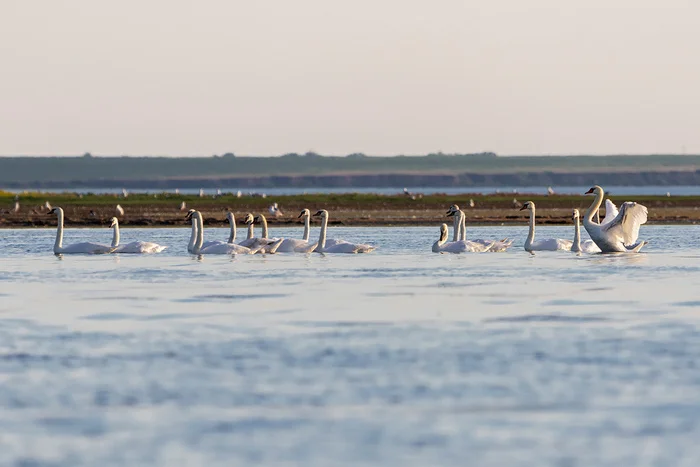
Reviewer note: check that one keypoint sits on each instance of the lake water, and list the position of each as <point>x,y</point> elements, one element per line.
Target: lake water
<point>400,357</point>
<point>680,190</point>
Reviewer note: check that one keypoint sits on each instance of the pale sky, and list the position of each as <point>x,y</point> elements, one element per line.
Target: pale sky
<point>383,77</point>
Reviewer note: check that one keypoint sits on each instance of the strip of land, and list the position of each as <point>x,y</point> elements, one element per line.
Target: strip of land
<point>165,209</point>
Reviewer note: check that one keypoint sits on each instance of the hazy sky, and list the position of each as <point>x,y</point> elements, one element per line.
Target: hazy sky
<point>376,76</point>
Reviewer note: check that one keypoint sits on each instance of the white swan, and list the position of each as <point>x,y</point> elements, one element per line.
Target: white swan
<point>549,244</point>
<point>217,249</point>
<point>466,245</point>
<point>340,247</point>
<point>231,236</point>
<point>251,240</point>
<point>133,247</point>
<point>294,245</point>
<point>459,246</point>
<point>620,234</point>
<point>461,233</point>
<point>587,246</point>
<point>88,248</point>
<point>611,212</point>
<point>262,243</point>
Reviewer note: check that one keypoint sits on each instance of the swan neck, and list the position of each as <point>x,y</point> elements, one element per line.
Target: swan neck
<point>193,235</point>
<point>463,226</point>
<point>577,235</point>
<point>263,223</point>
<point>58,244</point>
<point>251,231</point>
<point>456,227</point>
<point>200,234</point>
<point>307,228</point>
<point>322,235</point>
<point>595,206</point>
<point>232,235</point>
<point>531,233</point>
<point>115,235</point>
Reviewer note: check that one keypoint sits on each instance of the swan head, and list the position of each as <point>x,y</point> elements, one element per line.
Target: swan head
<point>304,213</point>
<point>249,219</point>
<point>323,213</point>
<point>56,211</point>
<point>229,216</point>
<point>454,208</point>
<point>594,189</point>
<point>575,214</point>
<point>189,215</point>
<point>113,222</point>
<point>528,205</point>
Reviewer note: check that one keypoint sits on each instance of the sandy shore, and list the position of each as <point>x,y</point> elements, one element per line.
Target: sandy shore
<point>350,210</point>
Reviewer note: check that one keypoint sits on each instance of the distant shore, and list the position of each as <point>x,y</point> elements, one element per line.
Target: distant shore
<point>346,209</point>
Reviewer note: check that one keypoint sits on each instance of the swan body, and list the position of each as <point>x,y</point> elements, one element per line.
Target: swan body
<point>587,246</point>
<point>133,247</point>
<point>459,246</point>
<point>620,235</point>
<point>232,233</point>
<point>461,232</point>
<point>217,249</point>
<point>549,244</point>
<point>294,245</point>
<point>339,246</point>
<point>261,244</point>
<point>287,245</point>
<point>85,248</point>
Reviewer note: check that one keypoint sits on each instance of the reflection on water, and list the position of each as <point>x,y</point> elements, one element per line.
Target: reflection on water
<point>398,357</point>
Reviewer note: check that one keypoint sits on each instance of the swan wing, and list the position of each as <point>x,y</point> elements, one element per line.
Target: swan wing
<point>625,226</point>
<point>139,248</point>
<point>225,249</point>
<point>293,245</point>
<point>589,246</point>
<point>209,243</point>
<point>610,212</point>
<point>347,247</point>
<point>551,244</point>
<point>87,248</point>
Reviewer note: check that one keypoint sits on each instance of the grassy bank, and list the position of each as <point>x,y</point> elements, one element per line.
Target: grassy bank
<point>347,209</point>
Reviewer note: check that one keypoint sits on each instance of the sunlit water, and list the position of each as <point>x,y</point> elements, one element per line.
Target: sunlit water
<point>399,357</point>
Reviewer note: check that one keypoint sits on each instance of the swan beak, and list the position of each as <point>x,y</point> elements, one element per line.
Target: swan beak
<point>523,208</point>
<point>450,213</point>
<point>300,215</point>
<point>318,213</point>
<point>589,192</point>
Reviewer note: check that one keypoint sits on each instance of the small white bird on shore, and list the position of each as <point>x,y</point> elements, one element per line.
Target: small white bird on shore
<point>183,206</point>
<point>120,210</point>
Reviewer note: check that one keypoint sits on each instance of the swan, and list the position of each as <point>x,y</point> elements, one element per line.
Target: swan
<point>549,244</point>
<point>461,218</point>
<point>294,245</point>
<point>88,248</point>
<point>341,246</point>
<point>263,244</point>
<point>133,247</point>
<point>193,235</point>
<point>217,249</point>
<point>232,233</point>
<point>466,245</point>
<point>587,246</point>
<point>620,234</point>
<point>459,246</point>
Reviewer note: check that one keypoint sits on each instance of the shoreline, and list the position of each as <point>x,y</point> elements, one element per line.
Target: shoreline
<point>345,209</point>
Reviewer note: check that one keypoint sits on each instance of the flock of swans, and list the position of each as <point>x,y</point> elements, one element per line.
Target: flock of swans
<point>618,232</point>
<point>198,246</point>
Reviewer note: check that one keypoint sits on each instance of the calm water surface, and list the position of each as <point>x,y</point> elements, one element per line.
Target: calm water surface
<point>400,357</point>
